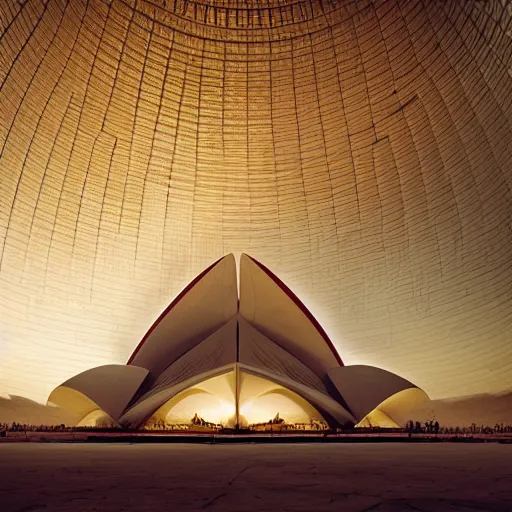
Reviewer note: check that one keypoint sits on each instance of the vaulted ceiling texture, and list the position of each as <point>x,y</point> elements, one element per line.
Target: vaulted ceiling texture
<point>362,150</point>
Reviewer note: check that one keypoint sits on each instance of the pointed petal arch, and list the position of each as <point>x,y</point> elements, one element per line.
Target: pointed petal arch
<point>136,415</point>
<point>75,404</point>
<point>206,304</point>
<point>261,399</point>
<point>396,410</point>
<point>325,404</point>
<point>108,388</point>
<point>364,388</point>
<point>268,304</point>
<point>377,418</point>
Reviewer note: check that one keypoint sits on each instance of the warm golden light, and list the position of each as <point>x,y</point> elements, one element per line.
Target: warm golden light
<point>266,407</point>
<point>214,401</point>
<point>209,407</point>
<point>360,149</point>
<point>96,418</point>
<point>261,400</point>
<point>377,418</point>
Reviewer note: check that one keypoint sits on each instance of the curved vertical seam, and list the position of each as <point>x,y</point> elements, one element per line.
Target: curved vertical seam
<point>118,67</point>
<point>26,157</point>
<point>31,81</point>
<point>276,177</point>
<point>196,150</point>
<point>13,20</point>
<point>43,180</point>
<point>155,130</point>
<point>57,83</point>
<point>326,160</point>
<point>173,153</point>
<point>132,137</point>
<point>75,137</point>
<point>100,221</point>
<point>301,162</point>
<point>15,60</point>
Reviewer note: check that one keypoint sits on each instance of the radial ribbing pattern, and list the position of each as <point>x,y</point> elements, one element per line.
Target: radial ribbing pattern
<point>362,150</point>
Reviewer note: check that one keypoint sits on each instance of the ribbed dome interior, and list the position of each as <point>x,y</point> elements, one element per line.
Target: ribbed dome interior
<point>359,149</point>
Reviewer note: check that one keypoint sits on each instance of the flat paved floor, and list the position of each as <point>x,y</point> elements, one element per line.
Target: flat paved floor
<point>255,477</point>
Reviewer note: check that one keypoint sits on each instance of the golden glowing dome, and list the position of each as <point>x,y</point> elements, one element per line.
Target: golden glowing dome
<point>361,149</point>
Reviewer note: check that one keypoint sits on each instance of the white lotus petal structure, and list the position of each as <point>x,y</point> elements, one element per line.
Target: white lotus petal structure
<point>234,361</point>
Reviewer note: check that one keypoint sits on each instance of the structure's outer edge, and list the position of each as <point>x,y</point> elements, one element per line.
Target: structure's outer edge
<point>109,387</point>
<point>166,311</point>
<point>364,387</point>
<point>305,311</point>
<point>78,416</point>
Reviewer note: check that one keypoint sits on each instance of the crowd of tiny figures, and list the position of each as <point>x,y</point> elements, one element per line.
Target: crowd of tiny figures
<point>429,427</point>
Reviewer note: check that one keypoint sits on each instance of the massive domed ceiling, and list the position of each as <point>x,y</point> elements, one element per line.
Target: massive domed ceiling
<point>362,150</point>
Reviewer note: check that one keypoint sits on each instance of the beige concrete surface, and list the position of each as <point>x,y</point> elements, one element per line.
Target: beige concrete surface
<point>348,477</point>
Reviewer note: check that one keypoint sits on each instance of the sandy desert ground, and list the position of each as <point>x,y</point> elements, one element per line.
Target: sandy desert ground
<point>250,477</point>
